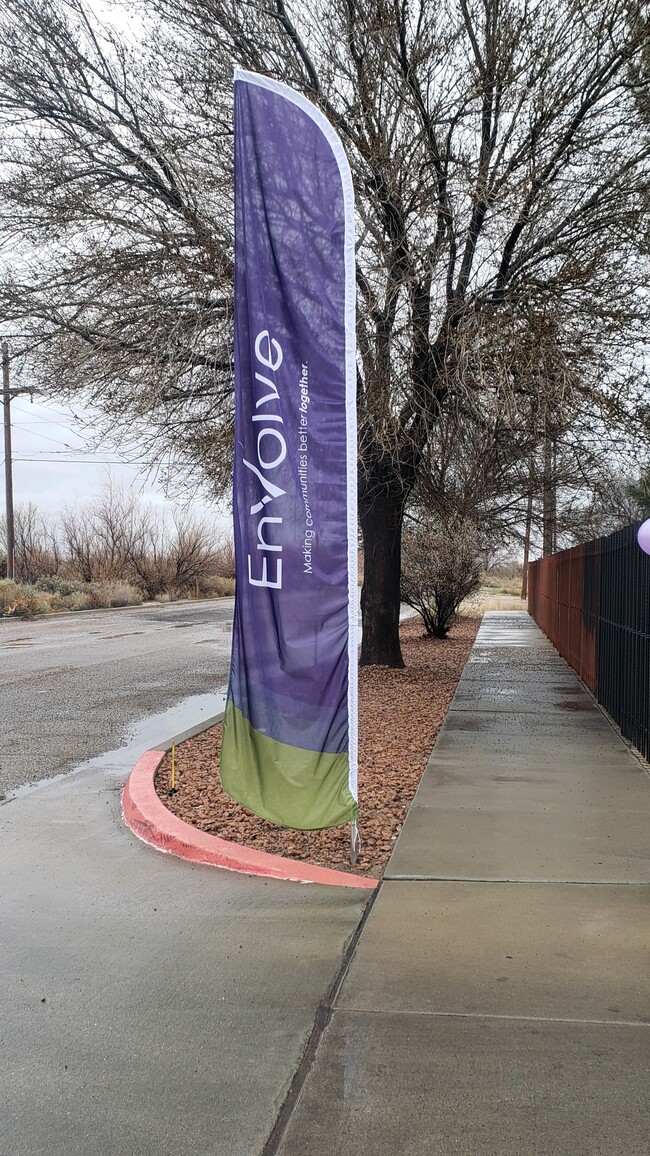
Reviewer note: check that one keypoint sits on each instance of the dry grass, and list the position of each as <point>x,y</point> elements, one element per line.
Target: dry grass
<point>19,599</point>
<point>496,592</point>
<point>489,599</point>
<point>53,594</point>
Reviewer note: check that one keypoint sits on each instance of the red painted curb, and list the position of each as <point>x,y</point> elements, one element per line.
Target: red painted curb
<point>148,817</point>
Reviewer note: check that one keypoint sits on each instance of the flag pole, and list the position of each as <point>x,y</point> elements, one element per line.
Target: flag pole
<point>355,842</point>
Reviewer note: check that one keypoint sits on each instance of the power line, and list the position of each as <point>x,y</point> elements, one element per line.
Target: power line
<point>82,462</point>
<point>63,419</point>
<point>39,421</point>
<point>55,441</point>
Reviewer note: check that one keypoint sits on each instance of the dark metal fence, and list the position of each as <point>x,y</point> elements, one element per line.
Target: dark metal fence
<point>593,603</point>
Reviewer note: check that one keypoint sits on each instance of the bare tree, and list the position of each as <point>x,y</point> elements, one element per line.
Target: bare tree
<point>609,505</point>
<point>500,189</point>
<point>118,537</point>
<point>37,550</point>
<point>163,559</point>
<point>114,520</point>
<point>522,439</point>
<point>150,562</point>
<point>639,492</point>
<point>79,545</point>
<point>192,552</point>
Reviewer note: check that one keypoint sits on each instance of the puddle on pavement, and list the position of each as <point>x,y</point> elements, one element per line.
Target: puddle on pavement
<point>140,736</point>
<point>157,728</point>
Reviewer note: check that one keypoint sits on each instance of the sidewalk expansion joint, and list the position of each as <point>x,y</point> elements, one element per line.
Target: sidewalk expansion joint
<point>473,709</point>
<point>643,1025</point>
<point>523,882</point>
<point>324,1014</point>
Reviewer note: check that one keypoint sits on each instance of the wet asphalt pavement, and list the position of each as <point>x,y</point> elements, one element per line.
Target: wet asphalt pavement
<point>77,685</point>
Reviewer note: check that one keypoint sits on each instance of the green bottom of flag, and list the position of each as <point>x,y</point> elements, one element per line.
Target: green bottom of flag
<point>289,786</point>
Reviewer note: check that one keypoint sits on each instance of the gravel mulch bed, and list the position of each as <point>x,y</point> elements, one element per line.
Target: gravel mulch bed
<point>400,714</point>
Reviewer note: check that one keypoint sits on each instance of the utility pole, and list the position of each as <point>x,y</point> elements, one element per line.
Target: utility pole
<point>9,484</point>
<point>549,495</point>
<point>527,532</point>
<point>7,395</point>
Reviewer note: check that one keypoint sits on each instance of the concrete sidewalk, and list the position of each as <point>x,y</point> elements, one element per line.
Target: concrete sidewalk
<point>498,1002</point>
<point>148,1006</point>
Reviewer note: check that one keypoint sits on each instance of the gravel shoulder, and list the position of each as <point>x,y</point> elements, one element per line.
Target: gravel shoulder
<point>400,714</point>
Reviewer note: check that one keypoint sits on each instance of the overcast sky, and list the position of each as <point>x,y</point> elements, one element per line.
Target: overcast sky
<point>53,465</point>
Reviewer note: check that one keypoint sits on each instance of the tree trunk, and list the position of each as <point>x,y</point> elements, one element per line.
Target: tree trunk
<point>549,499</point>
<point>381,523</point>
<point>386,479</point>
<point>527,532</point>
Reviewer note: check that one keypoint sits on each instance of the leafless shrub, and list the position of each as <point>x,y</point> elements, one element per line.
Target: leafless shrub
<point>191,553</point>
<point>164,559</point>
<point>223,564</point>
<point>149,557</point>
<point>100,536</point>
<point>79,545</point>
<point>440,568</point>
<point>118,537</point>
<point>116,549</point>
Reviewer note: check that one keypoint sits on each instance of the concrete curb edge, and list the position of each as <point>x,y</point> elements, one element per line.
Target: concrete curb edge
<point>146,816</point>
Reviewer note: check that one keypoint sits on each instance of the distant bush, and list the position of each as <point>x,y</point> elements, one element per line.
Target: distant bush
<point>116,593</point>
<point>101,596</point>
<point>17,599</point>
<point>223,559</point>
<point>78,601</point>
<point>510,570</point>
<point>55,584</point>
<point>215,586</point>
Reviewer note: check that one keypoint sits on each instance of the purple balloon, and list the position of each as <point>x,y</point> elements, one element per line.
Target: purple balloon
<point>643,536</point>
